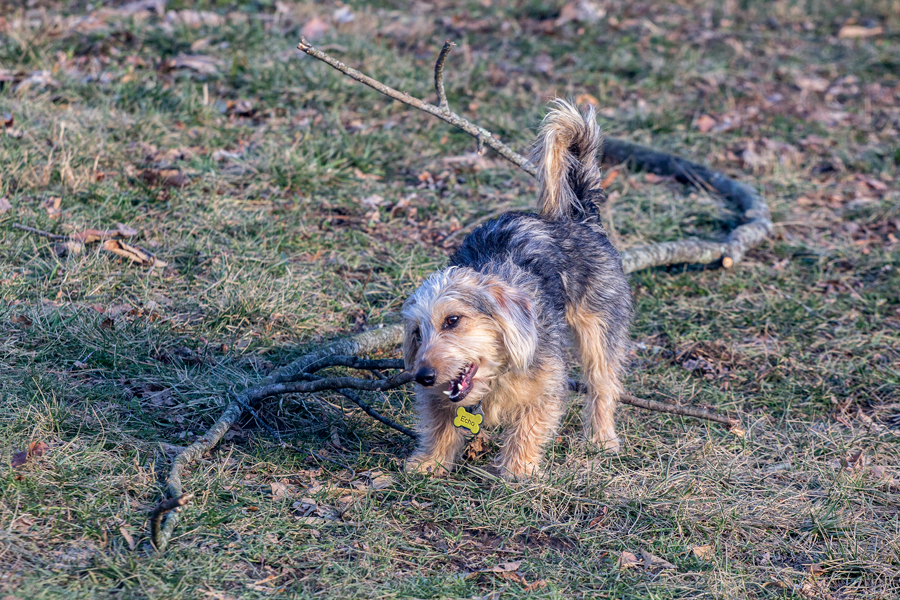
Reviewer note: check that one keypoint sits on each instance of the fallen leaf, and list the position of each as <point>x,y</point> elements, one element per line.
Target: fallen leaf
<point>51,205</point>
<point>536,585</point>
<point>382,482</point>
<point>506,567</point>
<point>4,205</point>
<point>857,31</point>
<point>651,561</point>
<point>816,569</point>
<point>37,448</point>
<point>811,84</point>
<point>581,11</point>
<point>315,28</point>
<point>22,320</point>
<point>128,537</point>
<point>477,446</point>
<point>18,459</point>
<point>704,123</point>
<point>627,559</point>
<point>280,491</point>
<point>22,524</point>
<point>586,98</point>
<point>89,236</point>
<point>610,177</point>
<point>132,253</point>
<point>704,552</point>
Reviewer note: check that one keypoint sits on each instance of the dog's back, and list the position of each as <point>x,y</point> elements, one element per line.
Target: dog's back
<point>564,245</point>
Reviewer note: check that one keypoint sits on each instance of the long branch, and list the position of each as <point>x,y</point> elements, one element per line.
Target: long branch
<point>756,226</point>
<point>479,133</point>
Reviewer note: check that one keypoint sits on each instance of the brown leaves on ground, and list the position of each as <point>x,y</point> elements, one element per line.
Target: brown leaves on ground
<point>35,449</point>
<point>646,560</point>
<point>509,571</point>
<point>51,205</point>
<point>88,236</point>
<point>133,253</point>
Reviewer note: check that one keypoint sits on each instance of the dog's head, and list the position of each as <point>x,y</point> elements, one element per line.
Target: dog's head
<point>463,329</point>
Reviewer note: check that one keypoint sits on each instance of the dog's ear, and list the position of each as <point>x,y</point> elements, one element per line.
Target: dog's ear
<point>411,341</point>
<point>412,338</point>
<point>514,314</point>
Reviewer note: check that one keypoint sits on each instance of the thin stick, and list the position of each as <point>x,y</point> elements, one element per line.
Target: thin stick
<point>46,234</point>
<point>475,131</point>
<point>439,76</point>
<point>331,383</point>
<point>354,362</point>
<point>256,416</point>
<point>686,411</point>
<point>376,415</point>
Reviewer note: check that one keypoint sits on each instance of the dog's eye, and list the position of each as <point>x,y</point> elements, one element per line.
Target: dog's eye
<point>417,335</point>
<point>451,322</point>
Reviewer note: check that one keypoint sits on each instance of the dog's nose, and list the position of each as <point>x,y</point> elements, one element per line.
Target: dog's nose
<point>426,376</point>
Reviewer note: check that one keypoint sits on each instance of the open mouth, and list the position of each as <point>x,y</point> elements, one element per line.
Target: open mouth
<point>462,385</point>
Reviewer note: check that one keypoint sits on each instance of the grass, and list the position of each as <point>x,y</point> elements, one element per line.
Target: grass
<point>328,209</point>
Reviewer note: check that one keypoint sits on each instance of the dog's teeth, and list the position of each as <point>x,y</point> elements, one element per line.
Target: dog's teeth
<point>447,392</point>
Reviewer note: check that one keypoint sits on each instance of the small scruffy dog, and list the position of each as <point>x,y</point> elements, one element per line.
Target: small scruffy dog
<point>491,329</point>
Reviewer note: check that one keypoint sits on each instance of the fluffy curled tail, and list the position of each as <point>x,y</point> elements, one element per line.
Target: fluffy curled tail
<point>565,154</point>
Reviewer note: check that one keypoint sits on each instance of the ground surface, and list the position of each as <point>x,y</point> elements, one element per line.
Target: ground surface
<point>291,205</point>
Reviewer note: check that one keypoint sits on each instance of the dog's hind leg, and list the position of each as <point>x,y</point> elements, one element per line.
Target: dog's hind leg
<point>601,359</point>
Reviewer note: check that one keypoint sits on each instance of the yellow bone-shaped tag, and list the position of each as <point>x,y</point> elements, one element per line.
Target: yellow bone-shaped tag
<point>468,420</point>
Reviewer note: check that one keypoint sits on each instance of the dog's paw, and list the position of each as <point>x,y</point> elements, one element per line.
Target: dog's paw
<point>424,465</point>
<point>519,473</point>
<point>606,443</point>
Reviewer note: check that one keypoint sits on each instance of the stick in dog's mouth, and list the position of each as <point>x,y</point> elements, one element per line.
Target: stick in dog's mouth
<point>462,385</point>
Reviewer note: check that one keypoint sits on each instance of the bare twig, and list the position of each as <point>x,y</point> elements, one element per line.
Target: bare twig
<point>439,76</point>
<point>46,234</point>
<point>354,362</point>
<point>376,415</point>
<point>733,425</point>
<point>450,117</point>
<point>256,416</point>
<point>331,383</point>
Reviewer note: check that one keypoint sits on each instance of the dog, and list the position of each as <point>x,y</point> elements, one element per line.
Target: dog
<point>490,331</point>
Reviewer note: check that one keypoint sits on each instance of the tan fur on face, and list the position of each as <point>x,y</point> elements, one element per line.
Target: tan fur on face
<point>496,331</point>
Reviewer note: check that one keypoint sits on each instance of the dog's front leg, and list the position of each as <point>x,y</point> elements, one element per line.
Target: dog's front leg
<point>526,437</point>
<point>440,442</point>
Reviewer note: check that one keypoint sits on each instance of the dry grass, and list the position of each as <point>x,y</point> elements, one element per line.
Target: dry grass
<point>293,205</point>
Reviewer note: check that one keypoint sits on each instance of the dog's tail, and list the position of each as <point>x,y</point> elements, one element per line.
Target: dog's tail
<point>565,154</point>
